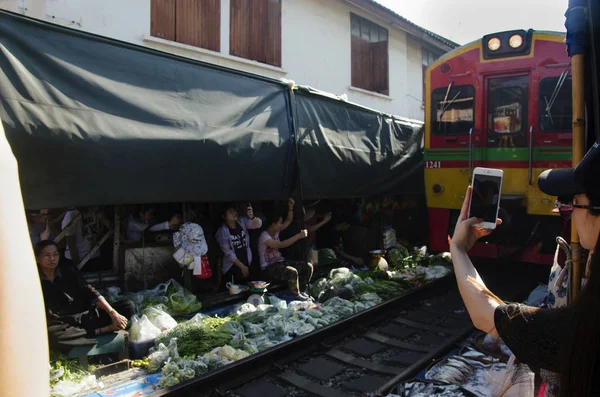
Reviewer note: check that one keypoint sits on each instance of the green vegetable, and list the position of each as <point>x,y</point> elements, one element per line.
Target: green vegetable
<point>214,323</point>
<point>384,288</point>
<point>61,368</point>
<point>326,256</point>
<point>395,257</point>
<point>441,260</point>
<point>194,339</point>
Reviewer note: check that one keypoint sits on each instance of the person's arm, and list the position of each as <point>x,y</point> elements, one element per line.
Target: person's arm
<point>94,297</point>
<point>160,227</point>
<point>353,259</point>
<point>252,221</point>
<point>229,252</point>
<point>315,227</point>
<point>275,244</point>
<point>71,235</point>
<point>225,245</point>
<point>479,301</point>
<point>117,319</point>
<point>290,215</point>
<point>135,225</point>
<point>22,313</point>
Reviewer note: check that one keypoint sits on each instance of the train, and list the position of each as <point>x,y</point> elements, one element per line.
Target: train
<point>503,101</point>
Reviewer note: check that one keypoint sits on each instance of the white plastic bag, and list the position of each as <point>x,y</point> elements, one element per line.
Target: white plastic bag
<point>160,318</point>
<point>160,356</point>
<point>142,329</point>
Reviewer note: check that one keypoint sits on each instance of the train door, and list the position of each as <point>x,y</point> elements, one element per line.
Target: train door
<point>507,127</point>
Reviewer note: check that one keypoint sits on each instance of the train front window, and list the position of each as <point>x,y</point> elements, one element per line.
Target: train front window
<point>452,109</point>
<point>507,99</point>
<point>556,106</point>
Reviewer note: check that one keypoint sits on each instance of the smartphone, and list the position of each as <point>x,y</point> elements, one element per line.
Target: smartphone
<point>485,196</point>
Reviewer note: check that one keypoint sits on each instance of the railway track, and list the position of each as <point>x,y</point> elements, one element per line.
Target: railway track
<point>366,354</point>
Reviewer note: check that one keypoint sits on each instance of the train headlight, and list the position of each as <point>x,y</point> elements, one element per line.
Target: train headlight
<point>515,41</point>
<point>494,44</point>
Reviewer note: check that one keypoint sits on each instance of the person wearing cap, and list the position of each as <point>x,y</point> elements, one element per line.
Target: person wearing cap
<point>234,240</point>
<point>535,335</point>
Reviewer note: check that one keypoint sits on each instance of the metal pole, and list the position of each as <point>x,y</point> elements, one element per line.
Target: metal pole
<point>578,70</point>
<point>117,239</point>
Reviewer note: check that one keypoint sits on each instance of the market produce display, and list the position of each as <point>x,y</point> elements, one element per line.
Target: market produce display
<point>196,346</point>
<point>64,369</point>
<point>68,377</point>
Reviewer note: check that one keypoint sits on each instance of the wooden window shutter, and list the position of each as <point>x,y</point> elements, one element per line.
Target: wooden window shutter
<point>198,23</point>
<point>162,19</point>
<point>255,30</point>
<point>369,56</point>
<point>273,50</point>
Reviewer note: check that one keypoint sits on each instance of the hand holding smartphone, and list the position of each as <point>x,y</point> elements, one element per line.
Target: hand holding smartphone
<point>485,197</point>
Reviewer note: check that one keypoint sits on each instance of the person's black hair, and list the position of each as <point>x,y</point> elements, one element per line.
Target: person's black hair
<point>143,208</point>
<point>228,206</point>
<point>37,250</point>
<point>273,217</point>
<point>580,353</point>
<point>594,202</point>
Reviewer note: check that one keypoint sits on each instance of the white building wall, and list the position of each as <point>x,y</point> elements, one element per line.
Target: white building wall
<point>315,44</point>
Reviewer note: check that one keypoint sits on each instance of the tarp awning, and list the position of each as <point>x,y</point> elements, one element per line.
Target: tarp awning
<point>349,151</point>
<point>95,121</point>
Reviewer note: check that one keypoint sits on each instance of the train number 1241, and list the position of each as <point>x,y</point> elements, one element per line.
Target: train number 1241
<point>433,164</point>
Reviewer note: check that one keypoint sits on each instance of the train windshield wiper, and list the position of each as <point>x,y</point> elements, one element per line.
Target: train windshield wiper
<point>550,103</point>
<point>447,106</point>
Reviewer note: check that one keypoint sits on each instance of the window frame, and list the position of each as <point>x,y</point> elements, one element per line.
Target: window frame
<point>542,106</point>
<point>434,106</point>
<point>508,82</point>
<point>381,32</point>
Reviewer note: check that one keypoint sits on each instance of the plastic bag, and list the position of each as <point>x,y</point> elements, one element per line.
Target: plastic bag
<point>142,329</point>
<point>160,318</point>
<point>112,294</point>
<point>66,388</point>
<point>371,296</point>
<point>162,354</point>
<point>300,305</point>
<point>318,287</point>
<point>246,308</point>
<point>253,329</point>
<point>232,327</point>
<point>280,304</point>
<point>184,302</point>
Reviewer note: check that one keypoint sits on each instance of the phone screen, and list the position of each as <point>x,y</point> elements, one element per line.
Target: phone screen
<point>485,197</point>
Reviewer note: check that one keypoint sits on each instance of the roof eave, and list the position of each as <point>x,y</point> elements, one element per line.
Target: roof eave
<point>422,34</point>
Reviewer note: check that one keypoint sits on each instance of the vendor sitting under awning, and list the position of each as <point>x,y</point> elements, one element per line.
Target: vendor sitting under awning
<point>74,309</point>
<point>332,236</point>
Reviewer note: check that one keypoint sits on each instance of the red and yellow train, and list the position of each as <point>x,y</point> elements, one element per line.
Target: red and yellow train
<point>500,102</point>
